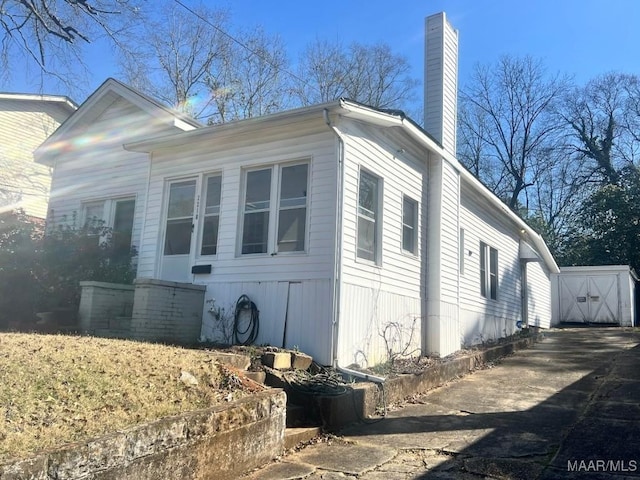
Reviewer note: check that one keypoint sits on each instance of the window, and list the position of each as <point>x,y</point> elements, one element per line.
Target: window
<point>255,229</point>
<point>292,214</point>
<point>211,215</point>
<point>488,271</point>
<point>409,224</point>
<point>116,214</point>
<point>94,214</point>
<point>123,223</point>
<point>275,209</point>
<point>368,213</point>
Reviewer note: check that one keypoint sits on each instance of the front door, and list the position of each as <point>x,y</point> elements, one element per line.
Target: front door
<point>178,231</point>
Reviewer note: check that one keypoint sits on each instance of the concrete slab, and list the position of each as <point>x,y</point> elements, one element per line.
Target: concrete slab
<point>505,468</point>
<point>573,397</point>
<point>282,471</point>
<point>347,458</point>
<point>596,438</point>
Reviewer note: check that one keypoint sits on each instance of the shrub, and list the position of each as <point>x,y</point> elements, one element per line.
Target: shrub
<point>42,272</point>
<point>20,253</point>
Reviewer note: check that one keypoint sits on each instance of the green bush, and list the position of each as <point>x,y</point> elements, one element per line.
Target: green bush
<point>42,271</point>
<point>20,268</point>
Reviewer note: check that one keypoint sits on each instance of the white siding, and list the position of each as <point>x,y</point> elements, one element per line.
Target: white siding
<point>538,295</point>
<point>483,319</point>
<point>387,295</point>
<point>207,157</point>
<point>98,168</point>
<point>296,286</point>
<point>441,80</point>
<point>442,335</point>
<point>292,314</point>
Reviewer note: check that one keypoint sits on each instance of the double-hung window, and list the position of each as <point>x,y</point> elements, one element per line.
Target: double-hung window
<point>409,225</point>
<point>368,216</point>
<point>275,209</point>
<point>488,271</point>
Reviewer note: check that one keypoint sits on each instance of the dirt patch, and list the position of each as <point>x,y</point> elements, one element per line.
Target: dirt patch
<point>58,389</point>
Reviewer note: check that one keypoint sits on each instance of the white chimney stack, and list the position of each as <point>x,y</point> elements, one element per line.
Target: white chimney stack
<point>441,80</point>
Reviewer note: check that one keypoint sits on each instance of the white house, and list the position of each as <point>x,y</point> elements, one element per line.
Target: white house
<point>354,231</point>
<point>26,120</point>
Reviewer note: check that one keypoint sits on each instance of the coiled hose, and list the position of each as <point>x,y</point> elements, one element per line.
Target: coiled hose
<point>244,304</point>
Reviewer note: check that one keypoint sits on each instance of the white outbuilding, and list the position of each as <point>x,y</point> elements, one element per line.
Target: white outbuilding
<point>595,295</point>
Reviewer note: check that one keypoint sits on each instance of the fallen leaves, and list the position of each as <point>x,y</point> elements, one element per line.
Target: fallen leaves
<point>58,389</point>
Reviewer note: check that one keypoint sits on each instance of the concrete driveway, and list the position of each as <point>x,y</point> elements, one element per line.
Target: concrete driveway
<point>567,408</point>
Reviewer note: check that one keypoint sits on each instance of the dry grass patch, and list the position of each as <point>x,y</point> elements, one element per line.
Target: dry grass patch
<point>57,389</point>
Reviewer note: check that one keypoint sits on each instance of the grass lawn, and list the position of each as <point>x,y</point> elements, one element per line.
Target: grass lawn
<point>56,389</point>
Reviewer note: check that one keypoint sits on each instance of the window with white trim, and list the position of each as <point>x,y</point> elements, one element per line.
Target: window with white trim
<point>488,271</point>
<point>368,216</point>
<point>409,225</point>
<point>211,215</point>
<point>114,213</point>
<point>275,209</point>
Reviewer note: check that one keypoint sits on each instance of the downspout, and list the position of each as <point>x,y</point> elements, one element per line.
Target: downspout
<point>143,226</point>
<point>337,272</point>
<point>337,267</point>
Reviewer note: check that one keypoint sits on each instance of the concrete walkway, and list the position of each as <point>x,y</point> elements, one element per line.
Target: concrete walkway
<point>567,408</point>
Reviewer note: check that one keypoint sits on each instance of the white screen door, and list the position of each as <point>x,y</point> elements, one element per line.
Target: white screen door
<point>179,224</point>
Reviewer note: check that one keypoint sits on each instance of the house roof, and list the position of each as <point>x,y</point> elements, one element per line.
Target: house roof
<point>384,118</point>
<point>99,101</point>
<point>63,101</point>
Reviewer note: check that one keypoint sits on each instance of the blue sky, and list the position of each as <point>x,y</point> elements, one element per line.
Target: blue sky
<point>583,38</point>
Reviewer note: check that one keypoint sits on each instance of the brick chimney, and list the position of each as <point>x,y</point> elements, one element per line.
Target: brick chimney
<point>441,80</point>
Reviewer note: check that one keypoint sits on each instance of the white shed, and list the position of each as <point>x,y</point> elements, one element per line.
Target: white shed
<point>594,294</point>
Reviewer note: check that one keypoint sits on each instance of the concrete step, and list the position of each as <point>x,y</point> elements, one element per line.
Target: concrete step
<point>294,436</point>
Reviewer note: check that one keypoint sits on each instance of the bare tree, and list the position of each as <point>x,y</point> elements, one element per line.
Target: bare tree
<point>603,117</point>
<point>174,54</point>
<point>252,80</point>
<point>510,121</point>
<point>190,58</point>
<point>370,74</point>
<point>51,33</point>
<point>322,67</point>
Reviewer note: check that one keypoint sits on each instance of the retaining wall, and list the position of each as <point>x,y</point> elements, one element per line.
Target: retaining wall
<point>217,443</point>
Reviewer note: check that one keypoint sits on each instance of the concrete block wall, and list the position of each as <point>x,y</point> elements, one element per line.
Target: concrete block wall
<point>101,304</point>
<point>167,311</point>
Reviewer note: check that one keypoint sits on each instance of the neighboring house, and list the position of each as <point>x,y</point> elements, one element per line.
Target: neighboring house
<point>26,120</point>
<point>355,232</point>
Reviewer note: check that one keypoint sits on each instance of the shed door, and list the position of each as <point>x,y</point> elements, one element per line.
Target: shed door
<point>589,299</point>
